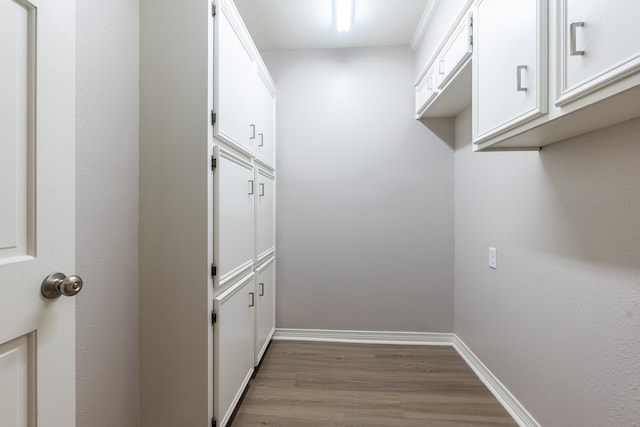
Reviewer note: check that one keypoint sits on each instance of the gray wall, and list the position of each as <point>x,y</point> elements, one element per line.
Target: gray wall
<point>107,213</point>
<point>365,195</point>
<point>559,321</point>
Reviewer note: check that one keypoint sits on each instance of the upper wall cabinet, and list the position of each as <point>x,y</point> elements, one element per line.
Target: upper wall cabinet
<point>233,73</point>
<point>509,65</point>
<point>443,88</point>
<point>593,62</point>
<point>599,45</point>
<point>543,71</point>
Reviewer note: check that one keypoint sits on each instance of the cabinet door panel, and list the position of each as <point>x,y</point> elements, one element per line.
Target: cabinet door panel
<point>509,62</point>
<point>455,54</point>
<point>426,90</point>
<point>232,346</point>
<point>265,214</point>
<point>600,44</point>
<point>265,122</point>
<point>233,216</point>
<point>233,91</point>
<point>265,307</point>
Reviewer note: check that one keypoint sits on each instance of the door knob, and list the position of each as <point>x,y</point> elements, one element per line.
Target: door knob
<point>57,284</point>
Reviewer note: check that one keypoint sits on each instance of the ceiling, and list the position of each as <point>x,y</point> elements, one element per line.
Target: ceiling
<point>308,24</point>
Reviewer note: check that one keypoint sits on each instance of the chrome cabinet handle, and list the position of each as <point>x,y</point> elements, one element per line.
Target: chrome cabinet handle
<point>519,70</point>
<point>252,299</point>
<point>253,131</point>
<point>261,142</point>
<point>250,187</point>
<point>429,84</point>
<point>261,285</point>
<point>57,284</point>
<point>441,67</point>
<point>572,31</point>
<point>261,190</point>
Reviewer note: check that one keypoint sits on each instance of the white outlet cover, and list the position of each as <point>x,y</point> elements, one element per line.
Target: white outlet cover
<point>493,258</point>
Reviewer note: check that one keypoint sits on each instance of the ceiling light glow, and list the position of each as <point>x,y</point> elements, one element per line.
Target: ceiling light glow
<point>344,13</point>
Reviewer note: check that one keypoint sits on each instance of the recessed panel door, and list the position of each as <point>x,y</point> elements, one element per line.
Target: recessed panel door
<point>265,307</point>
<point>232,345</point>
<point>234,190</point>
<point>265,214</point>
<point>509,65</point>
<point>37,211</point>
<point>233,85</point>
<point>599,45</point>
<point>265,121</point>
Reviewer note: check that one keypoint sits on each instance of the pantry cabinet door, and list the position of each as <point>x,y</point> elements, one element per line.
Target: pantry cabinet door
<point>233,74</point>
<point>233,188</point>
<point>233,337</point>
<point>265,214</point>
<point>509,65</point>
<point>265,110</point>
<point>265,307</point>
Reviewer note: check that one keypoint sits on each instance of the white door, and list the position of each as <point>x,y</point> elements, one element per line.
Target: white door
<point>509,59</point>
<point>233,84</point>
<point>599,44</point>
<point>265,118</point>
<point>233,194</point>
<point>37,211</point>
<point>265,214</point>
<point>265,307</point>
<point>232,346</point>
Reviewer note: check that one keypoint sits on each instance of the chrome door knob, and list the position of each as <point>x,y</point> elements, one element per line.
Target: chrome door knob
<point>57,284</point>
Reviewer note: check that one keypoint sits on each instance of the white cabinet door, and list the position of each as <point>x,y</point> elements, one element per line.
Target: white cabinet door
<point>509,64</point>
<point>265,214</point>
<point>600,44</point>
<point>232,346</point>
<point>455,54</point>
<point>233,84</point>
<point>265,307</point>
<point>265,110</point>
<point>233,195</point>
<point>426,90</point>
<point>37,211</point>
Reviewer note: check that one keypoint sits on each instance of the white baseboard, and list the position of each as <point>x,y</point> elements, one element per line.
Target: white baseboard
<point>504,396</point>
<point>363,337</point>
<point>501,393</point>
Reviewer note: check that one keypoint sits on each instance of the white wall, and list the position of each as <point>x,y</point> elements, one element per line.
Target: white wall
<point>365,195</point>
<point>107,213</point>
<point>559,321</point>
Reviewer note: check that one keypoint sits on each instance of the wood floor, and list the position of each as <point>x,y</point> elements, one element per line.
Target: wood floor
<point>334,384</point>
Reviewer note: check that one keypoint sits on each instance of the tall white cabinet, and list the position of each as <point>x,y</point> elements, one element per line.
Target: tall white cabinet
<point>207,211</point>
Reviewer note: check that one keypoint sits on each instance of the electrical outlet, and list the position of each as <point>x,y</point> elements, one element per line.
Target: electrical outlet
<point>493,258</point>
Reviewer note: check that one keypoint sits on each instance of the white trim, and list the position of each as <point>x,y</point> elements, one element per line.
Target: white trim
<point>499,391</point>
<point>425,20</point>
<point>363,337</point>
<point>504,396</point>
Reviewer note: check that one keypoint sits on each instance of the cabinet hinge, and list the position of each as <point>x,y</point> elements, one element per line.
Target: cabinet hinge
<point>214,319</point>
<point>214,11</point>
<point>214,118</point>
<point>214,163</point>
<point>471,30</point>
<point>214,270</point>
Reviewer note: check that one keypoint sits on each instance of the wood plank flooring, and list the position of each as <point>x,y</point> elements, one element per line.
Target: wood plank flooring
<point>353,385</point>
